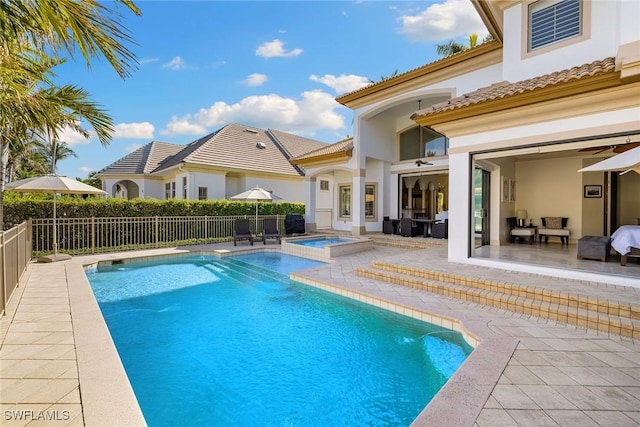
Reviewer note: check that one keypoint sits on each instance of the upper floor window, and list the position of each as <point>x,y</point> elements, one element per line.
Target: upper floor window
<point>551,21</point>
<point>415,144</point>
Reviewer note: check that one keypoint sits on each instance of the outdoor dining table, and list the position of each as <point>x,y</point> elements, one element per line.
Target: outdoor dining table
<point>427,225</point>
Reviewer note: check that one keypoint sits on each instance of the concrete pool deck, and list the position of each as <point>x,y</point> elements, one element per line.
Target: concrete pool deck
<point>58,365</point>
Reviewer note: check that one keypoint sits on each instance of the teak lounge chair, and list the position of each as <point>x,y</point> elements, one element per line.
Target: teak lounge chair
<point>242,231</point>
<point>270,230</point>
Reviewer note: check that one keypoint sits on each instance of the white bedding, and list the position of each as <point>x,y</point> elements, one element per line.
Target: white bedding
<point>626,237</point>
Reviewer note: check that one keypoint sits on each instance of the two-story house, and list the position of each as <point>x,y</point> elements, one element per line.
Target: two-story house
<point>499,129</point>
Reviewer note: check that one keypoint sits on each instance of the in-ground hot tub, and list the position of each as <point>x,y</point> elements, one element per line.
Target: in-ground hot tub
<point>324,248</point>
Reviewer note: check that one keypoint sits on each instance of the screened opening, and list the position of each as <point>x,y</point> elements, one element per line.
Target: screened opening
<point>414,145</point>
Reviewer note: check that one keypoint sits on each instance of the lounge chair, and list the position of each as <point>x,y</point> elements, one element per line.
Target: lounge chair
<point>242,231</point>
<point>270,230</point>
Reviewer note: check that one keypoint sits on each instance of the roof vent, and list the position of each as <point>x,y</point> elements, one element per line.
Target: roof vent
<point>261,145</point>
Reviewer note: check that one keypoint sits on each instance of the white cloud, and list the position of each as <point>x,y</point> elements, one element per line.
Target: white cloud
<point>85,169</point>
<point>255,79</point>
<point>275,48</point>
<point>73,137</point>
<point>142,130</point>
<point>176,63</point>
<point>132,147</point>
<point>441,21</point>
<point>313,112</point>
<point>182,126</point>
<point>343,83</point>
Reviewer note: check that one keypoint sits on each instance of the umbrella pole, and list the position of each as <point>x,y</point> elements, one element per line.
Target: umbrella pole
<point>55,231</point>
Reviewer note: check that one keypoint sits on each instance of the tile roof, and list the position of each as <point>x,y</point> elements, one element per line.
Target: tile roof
<point>296,145</point>
<point>426,67</point>
<point>233,147</point>
<point>506,89</point>
<point>339,147</point>
<point>143,160</point>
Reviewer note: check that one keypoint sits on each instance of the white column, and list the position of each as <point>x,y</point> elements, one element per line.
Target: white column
<point>358,227</point>
<point>393,196</point>
<point>460,235</point>
<point>310,203</point>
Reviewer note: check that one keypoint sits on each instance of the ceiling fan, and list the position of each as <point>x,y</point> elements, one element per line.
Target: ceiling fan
<point>616,148</point>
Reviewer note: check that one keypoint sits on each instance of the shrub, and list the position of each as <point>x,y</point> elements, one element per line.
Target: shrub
<point>20,207</point>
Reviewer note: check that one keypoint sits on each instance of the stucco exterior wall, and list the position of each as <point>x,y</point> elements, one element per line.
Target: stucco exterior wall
<point>215,184</point>
<point>604,29</point>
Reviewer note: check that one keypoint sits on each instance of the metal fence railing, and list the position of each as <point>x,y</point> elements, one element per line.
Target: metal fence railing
<point>15,254</point>
<point>77,236</point>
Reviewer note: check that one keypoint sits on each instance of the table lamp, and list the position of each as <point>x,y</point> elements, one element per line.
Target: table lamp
<point>522,215</point>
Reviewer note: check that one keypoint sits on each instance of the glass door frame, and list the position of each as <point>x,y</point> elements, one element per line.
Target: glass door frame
<point>480,202</point>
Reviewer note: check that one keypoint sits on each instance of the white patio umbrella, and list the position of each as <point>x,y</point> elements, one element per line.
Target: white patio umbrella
<point>256,194</point>
<point>624,162</point>
<point>52,184</point>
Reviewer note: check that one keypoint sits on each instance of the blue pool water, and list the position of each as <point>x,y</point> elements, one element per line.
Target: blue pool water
<point>232,341</point>
<point>320,242</point>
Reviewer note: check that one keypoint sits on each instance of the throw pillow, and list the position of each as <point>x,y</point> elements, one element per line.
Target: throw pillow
<point>553,222</point>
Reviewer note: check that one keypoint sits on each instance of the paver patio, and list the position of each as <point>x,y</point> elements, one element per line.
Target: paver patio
<point>526,371</point>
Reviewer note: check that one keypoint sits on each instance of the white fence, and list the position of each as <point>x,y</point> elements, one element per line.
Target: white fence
<point>78,236</point>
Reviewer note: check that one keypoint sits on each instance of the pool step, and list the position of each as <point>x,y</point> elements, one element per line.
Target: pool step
<point>617,317</point>
<point>247,273</point>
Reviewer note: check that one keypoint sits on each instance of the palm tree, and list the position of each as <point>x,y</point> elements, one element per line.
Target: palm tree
<point>452,47</point>
<point>28,98</point>
<point>88,25</point>
<point>30,103</point>
<point>23,160</point>
<point>52,152</point>
<point>383,78</point>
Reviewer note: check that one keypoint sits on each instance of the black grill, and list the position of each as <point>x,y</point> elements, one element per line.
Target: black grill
<point>294,223</point>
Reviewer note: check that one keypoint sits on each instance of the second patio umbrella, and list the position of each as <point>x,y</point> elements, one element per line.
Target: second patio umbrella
<point>256,194</point>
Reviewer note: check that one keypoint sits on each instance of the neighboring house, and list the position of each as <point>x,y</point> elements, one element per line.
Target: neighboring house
<point>558,89</point>
<point>229,161</point>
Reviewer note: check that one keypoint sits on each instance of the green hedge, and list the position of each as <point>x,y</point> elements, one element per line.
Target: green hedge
<point>19,207</point>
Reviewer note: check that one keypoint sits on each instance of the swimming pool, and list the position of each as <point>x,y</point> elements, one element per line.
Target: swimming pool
<point>233,341</point>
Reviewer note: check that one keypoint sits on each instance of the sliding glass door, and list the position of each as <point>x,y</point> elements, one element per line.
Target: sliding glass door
<point>481,186</point>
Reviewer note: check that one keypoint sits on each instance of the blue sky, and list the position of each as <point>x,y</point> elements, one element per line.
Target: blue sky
<point>279,65</point>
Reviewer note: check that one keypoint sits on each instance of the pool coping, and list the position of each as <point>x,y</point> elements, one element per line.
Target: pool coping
<point>107,394</point>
